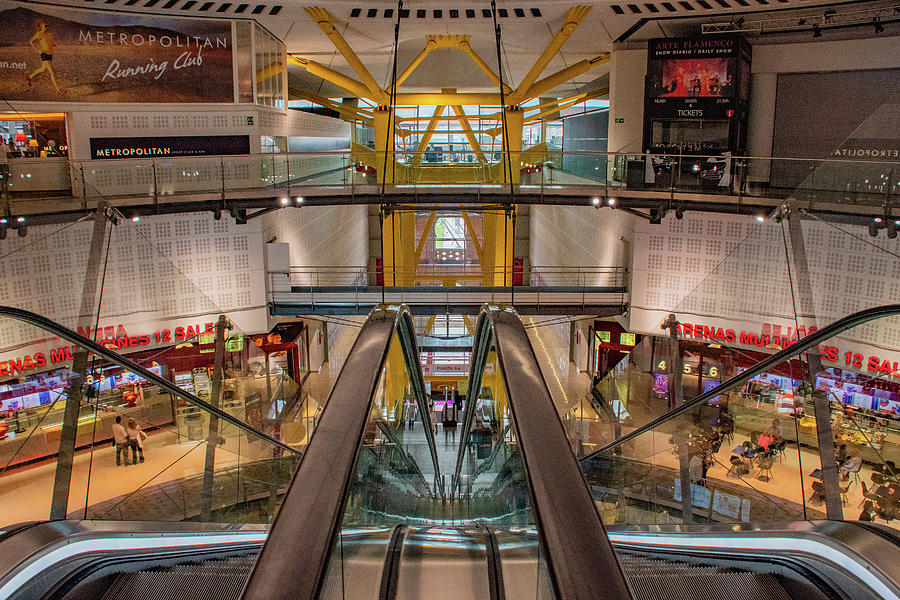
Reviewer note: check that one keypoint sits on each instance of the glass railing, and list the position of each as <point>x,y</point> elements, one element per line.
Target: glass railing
<point>750,450</point>
<point>288,176</point>
<point>94,435</point>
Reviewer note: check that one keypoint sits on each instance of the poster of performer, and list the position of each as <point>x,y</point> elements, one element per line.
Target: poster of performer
<point>51,54</point>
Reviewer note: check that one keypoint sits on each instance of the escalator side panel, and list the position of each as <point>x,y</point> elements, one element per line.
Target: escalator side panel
<point>579,555</point>
<point>303,534</point>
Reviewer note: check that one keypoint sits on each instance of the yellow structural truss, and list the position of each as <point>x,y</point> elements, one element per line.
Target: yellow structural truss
<point>500,164</point>
<point>394,166</point>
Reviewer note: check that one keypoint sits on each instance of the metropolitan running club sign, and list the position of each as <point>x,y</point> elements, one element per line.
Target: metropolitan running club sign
<point>88,56</point>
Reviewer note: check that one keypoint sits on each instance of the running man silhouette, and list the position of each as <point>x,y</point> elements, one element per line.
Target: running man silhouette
<point>42,42</point>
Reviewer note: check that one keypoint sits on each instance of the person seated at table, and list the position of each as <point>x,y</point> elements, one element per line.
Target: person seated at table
<point>775,428</point>
<point>852,464</point>
<point>840,450</point>
<point>765,439</point>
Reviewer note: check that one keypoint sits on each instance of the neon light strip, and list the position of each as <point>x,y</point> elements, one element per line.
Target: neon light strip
<point>849,561</point>
<point>131,542</point>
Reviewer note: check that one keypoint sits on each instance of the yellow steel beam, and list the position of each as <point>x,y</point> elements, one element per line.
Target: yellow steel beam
<point>326,24</point>
<point>573,19</point>
<point>558,78</point>
<point>430,45</point>
<point>339,79</point>
<point>432,217</point>
<point>566,104</point>
<point>447,98</point>
<point>429,131</point>
<point>558,101</point>
<point>471,229</point>
<point>467,48</point>
<point>270,70</point>
<point>468,323</point>
<point>430,325</point>
<point>467,131</point>
<point>346,112</point>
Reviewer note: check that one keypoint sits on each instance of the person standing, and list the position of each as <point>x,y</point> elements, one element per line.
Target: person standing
<point>135,440</point>
<point>120,436</point>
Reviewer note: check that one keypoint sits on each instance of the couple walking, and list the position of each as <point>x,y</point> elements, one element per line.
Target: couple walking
<point>128,437</point>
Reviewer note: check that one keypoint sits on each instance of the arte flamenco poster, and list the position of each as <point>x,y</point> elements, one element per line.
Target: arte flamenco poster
<point>90,56</point>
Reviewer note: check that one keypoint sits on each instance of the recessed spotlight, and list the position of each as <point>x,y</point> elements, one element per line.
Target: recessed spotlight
<point>299,200</point>
<point>20,220</point>
<point>611,201</point>
<point>284,201</point>
<point>135,219</point>
<point>878,219</point>
<point>4,221</point>
<point>595,200</point>
<point>760,218</point>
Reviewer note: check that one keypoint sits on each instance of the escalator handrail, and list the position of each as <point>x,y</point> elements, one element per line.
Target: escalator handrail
<point>580,559</point>
<point>126,363</point>
<point>803,345</point>
<point>294,562</point>
<point>407,335</point>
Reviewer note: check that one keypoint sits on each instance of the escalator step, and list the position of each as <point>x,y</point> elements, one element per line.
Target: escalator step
<point>717,586</point>
<point>164,585</point>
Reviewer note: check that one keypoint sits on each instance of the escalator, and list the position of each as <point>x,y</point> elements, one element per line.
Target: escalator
<point>383,508</point>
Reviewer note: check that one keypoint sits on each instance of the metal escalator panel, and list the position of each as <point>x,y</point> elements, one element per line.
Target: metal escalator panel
<point>516,468</point>
<point>367,467</point>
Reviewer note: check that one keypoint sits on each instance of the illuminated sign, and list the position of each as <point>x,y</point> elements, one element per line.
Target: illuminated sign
<point>627,339</point>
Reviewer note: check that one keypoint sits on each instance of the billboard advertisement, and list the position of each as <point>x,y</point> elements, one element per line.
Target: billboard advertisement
<point>153,147</point>
<point>696,94</point>
<point>50,54</point>
<point>696,77</point>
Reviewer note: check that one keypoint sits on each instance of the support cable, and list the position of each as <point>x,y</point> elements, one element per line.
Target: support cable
<point>504,128</point>
<point>391,106</point>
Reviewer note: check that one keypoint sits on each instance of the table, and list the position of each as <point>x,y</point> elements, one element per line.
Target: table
<point>744,451</point>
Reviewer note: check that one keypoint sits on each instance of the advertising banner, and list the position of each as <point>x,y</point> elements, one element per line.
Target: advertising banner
<point>153,147</point>
<point>695,77</point>
<point>51,54</point>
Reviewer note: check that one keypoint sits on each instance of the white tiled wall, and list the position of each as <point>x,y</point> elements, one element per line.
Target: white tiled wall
<point>732,269</point>
<point>159,270</point>
<point>569,236</point>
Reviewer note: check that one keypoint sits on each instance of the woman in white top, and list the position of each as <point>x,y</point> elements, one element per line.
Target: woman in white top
<point>135,440</point>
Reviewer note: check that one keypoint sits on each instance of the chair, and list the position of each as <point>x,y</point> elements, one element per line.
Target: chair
<point>818,494</point>
<point>765,466</point>
<point>737,466</point>
<point>844,493</point>
<point>867,494</point>
<point>779,448</point>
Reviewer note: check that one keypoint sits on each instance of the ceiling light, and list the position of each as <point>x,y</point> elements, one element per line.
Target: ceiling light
<point>878,219</point>
<point>760,218</point>
<point>299,199</point>
<point>284,201</point>
<point>595,200</point>
<point>135,219</point>
<point>20,220</point>
<point>611,201</point>
<point>4,221</point>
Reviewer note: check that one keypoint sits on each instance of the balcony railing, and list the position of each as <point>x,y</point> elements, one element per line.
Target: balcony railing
<point>282,178</point>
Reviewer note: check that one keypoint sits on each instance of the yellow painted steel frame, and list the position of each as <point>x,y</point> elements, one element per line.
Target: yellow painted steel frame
<point>507,171</point>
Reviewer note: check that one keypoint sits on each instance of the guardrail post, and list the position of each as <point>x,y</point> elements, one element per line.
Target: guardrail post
<point>155,188</point>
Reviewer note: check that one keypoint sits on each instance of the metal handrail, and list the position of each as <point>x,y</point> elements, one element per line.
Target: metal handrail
<point>311,512</point>
<point>802,345</point>
<point>116,358</point>
<point>580,558</point>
